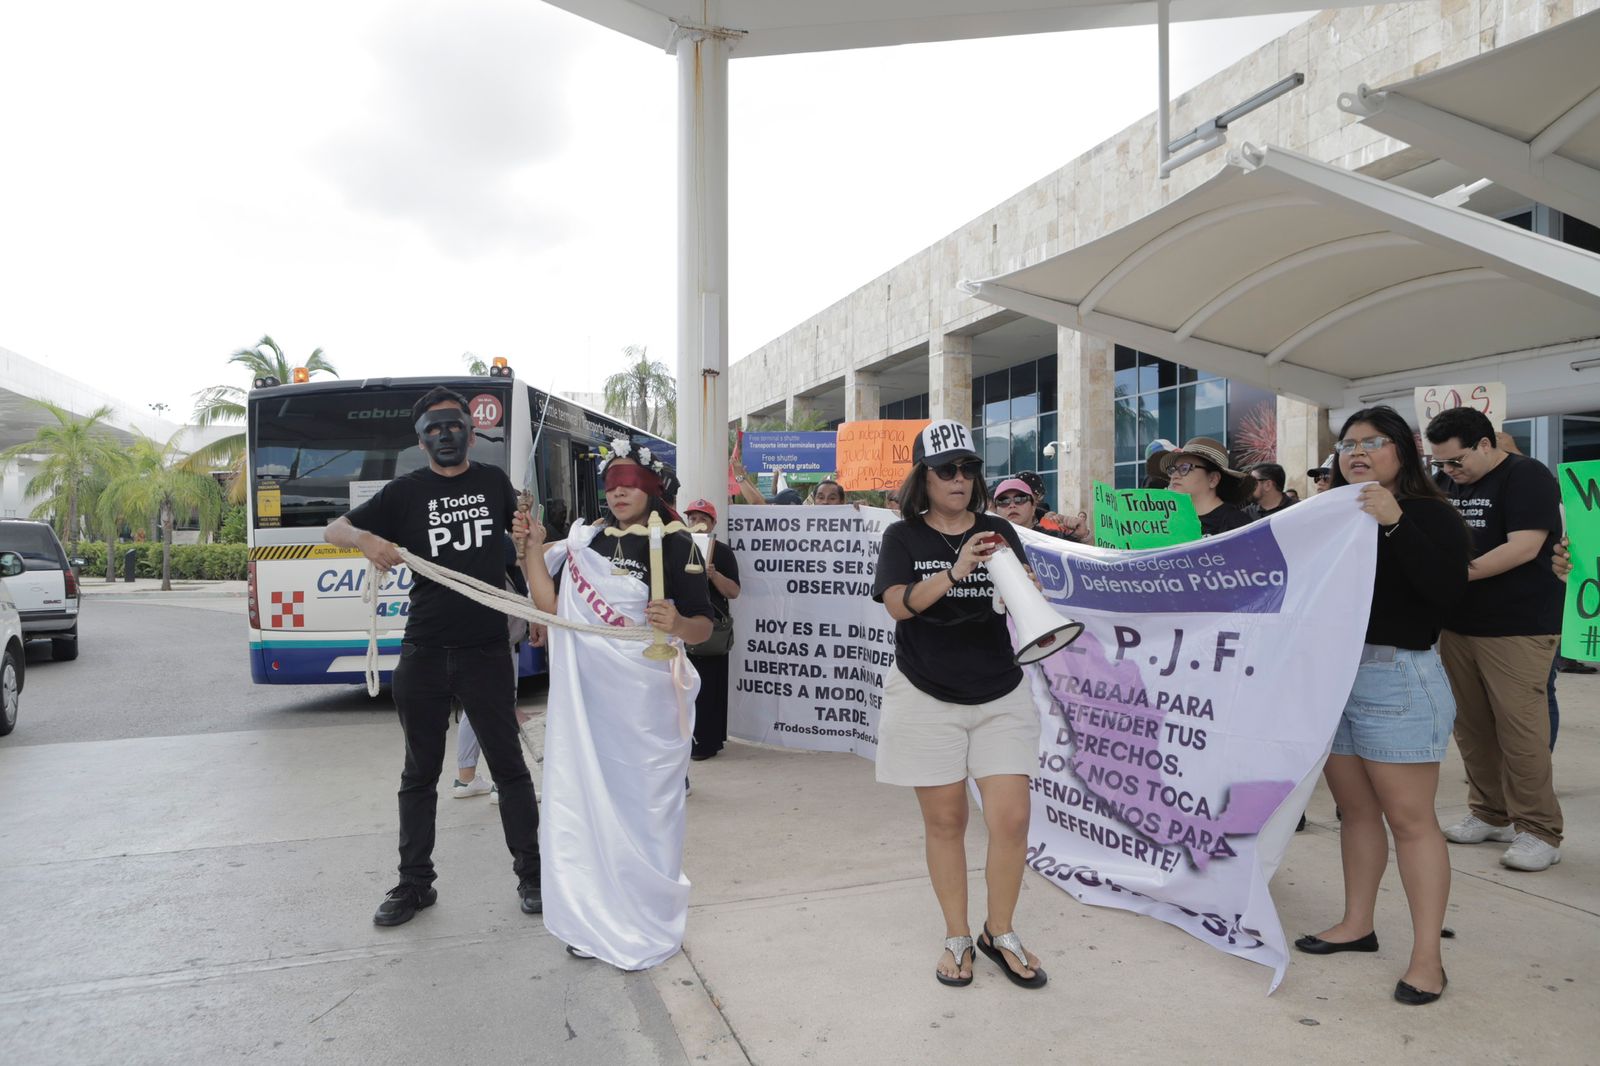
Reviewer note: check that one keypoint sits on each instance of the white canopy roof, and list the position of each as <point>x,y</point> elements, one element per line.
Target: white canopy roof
<point>779,27</point>
<point>1526,116</point>
<point>1326,285</point>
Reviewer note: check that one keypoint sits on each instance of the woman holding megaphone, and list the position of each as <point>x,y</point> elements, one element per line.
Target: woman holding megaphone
<point>955,704</point>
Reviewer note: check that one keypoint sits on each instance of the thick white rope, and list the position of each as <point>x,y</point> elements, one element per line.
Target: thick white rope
<point>498,599</point>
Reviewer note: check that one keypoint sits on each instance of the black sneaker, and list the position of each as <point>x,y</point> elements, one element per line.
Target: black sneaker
<point>532,901</point>
<point>403,902</point>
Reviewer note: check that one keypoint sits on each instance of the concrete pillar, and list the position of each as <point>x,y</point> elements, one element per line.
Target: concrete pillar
<point>950,377</point>
<point>1085,418</point>
<point>789,405</point>
<point>702,434</point>
<point>1304,440</point>
<point>861,403</point>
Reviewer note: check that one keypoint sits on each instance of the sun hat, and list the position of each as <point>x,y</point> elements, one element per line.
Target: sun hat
<point>1206,448</point>
<point>1211,450</point>
<point>941,441</point>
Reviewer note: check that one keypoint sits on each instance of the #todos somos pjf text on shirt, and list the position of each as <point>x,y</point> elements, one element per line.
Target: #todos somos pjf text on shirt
<point>460,523</point>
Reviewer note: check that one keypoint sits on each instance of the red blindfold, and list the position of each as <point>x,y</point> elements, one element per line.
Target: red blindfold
<point>628,475</point>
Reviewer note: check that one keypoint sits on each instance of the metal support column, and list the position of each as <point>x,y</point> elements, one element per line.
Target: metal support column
<point>1163,84</point>
<point>702,429</point>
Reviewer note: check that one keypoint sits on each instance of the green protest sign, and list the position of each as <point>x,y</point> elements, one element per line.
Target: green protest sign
<point>1143,518</point>
<point>1580,622</point>
<point>1105,515</point>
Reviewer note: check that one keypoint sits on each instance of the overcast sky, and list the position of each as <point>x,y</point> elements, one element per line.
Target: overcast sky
<point>399,183</point>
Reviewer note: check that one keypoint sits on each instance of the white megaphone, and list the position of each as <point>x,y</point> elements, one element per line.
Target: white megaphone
<point>1041,631</point>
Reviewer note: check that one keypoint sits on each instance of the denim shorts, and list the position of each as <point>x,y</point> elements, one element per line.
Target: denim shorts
<point>1400,710</point>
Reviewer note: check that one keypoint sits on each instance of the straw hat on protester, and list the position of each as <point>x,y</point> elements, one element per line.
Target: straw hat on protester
<point>1232,487</point>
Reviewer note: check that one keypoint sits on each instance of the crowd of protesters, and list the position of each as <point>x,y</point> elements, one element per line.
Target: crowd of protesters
<point>1460,641</point>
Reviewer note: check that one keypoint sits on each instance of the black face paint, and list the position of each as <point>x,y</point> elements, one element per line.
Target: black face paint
<point>443,435</point>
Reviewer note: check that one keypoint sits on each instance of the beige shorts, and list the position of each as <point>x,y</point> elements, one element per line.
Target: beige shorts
<point>926,741</point>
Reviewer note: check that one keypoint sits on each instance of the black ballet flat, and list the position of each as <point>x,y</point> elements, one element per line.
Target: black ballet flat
<point>1415,997</point>
<point>1315,945</point>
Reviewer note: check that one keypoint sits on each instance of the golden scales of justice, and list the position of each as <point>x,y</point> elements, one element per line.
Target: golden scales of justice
<point>658,649</point>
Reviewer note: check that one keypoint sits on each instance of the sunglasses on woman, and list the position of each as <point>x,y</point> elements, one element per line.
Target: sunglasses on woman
<point>969,469</point>
<point>1013,501</point>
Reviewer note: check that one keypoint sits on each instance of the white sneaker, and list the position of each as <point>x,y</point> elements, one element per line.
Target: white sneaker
<point>476,787</point>
<point>494,795</point>
<point>1528,852</point>
<point>1474,830</point>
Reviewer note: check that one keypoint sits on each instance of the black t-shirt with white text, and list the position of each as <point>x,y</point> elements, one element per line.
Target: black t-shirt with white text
<point>461,523</point>
<point>1526,600</point>
<point>958,650</point>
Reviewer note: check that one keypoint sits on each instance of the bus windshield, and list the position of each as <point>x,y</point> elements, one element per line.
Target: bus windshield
<point>318,448</point>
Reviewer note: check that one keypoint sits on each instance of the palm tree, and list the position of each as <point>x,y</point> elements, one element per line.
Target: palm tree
<point>226,403</point>
<point>645,393</point>
<point>93,493</point>
<point>158,485</point>
<point>74,449</point>
<point>475,365</point>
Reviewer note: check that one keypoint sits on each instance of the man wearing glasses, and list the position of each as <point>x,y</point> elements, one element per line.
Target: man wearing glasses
<point>1267,497</point>
<point>1499,645</point>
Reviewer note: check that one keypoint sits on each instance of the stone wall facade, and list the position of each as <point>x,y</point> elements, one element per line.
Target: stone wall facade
<point>916,304</point>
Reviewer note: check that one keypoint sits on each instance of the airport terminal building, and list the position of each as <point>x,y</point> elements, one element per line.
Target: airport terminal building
<point>1423,209</point>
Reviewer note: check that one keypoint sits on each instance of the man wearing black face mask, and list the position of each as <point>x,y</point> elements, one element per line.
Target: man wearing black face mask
<point>457,514</point>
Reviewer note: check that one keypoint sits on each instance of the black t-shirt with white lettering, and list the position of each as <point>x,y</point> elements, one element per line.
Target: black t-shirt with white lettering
<point>1526,600</point>
<point>461,523</point>
<point>631,553</point>
<point>958,650</point>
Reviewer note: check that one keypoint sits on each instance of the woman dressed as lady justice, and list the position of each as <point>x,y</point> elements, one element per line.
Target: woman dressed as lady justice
<point>617,739</point>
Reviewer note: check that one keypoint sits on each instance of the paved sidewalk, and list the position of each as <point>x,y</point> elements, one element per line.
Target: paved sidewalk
<point>209,897</point>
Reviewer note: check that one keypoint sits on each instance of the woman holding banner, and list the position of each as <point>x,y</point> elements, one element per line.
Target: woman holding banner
<point>955,704</point>
<point>1397,720</point>
<point>618,733</point>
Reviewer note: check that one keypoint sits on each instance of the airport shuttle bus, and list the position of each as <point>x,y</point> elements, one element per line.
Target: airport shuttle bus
<point>317,448</point>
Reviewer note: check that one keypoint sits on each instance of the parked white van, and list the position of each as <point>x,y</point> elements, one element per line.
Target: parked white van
<point>46,592</point>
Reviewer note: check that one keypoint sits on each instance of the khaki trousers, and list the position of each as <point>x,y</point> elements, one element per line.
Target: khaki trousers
<point>1503,728</point>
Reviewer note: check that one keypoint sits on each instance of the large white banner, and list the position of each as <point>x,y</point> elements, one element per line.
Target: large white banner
<point>1203,694</point>
<point>1180,736</point>
<point>810,648</point>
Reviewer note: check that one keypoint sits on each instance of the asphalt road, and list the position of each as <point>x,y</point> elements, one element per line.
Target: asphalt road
<point>147,669</point>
